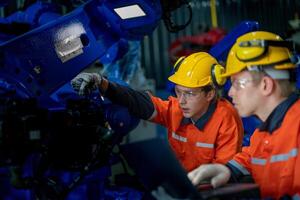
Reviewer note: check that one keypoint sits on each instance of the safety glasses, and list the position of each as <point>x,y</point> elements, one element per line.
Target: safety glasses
<point>187,94</point>
<point>254,49</point>
<point>239,84</point>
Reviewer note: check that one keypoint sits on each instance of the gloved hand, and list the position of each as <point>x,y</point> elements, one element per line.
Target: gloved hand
<point>217,173</point>
<point>85,83</point>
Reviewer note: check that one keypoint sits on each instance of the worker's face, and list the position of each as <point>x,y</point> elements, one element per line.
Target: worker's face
<point>245,94</point>
<point>193,101</point>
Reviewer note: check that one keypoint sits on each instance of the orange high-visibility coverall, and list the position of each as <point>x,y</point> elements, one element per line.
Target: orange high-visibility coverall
<point>273,155</point>
<point>215,138</point>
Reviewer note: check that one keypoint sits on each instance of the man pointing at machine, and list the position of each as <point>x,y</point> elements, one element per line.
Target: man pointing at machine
<point>202,128</point>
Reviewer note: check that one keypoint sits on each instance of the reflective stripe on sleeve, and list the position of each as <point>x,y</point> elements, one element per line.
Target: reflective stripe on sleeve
<point>239,167</point>
<point>284,156</point>
<point>206,145</point>
<point>178,137</point>
<point>258,161</point>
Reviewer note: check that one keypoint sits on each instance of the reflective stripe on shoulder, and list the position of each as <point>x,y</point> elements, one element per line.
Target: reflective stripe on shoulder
<point>206,145</point>
<point>284,156</point>
<point>178,137</point>
<point>258,161</point>
<point>239,167</point>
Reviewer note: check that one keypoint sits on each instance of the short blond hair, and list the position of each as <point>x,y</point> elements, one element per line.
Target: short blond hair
<point>286,86</point>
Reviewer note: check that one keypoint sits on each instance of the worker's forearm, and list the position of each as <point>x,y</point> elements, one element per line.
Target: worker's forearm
<point>138,103</point>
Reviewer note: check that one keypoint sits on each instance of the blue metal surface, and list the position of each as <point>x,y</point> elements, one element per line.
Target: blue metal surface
<point>92,187</point>
<point>40,63</point>
<point>116,52</point>
<point>33,14</point>
<point>221,50</point>
<point>42,60</point>
<point>125,67</point>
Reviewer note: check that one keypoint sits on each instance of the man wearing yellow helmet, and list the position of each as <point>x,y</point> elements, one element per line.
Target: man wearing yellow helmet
<point>260,65</point>
<point>201,128</point>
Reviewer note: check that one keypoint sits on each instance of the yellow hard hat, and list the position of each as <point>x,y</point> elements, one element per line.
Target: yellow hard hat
<point>195,70</point>
<point>259,49</point>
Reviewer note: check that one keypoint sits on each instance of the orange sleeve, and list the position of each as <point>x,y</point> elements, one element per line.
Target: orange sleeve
<point>243,159</point>
<point>230,136</point>
<point>297,169</point>
<point>161,108</point>
<point>168,112</point>
<point>229,140</point>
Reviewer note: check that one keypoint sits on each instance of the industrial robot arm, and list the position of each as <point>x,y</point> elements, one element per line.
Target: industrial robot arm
<point>40,61</point>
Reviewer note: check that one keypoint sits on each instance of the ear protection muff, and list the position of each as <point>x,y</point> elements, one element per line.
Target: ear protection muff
<point>254,49</point>
<point>216,75</point>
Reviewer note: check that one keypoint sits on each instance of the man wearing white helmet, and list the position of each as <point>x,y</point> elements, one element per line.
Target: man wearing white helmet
<point>260,65</point>
<point>201,127</point>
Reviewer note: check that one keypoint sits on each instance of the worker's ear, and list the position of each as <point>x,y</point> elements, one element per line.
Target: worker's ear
<point>267,85</point>
<point>211,95</point>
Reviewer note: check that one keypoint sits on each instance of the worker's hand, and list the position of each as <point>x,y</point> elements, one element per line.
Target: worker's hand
<point>218,174</point>
<point>85,83</point>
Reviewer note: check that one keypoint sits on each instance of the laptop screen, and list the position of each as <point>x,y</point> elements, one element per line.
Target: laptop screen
<point>156,165</point>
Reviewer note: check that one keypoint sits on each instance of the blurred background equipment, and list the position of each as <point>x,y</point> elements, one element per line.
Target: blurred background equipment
<point>53,143</point>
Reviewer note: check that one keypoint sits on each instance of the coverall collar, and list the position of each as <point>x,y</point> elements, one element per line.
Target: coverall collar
<point>275,119</point>
<point>200,123</point>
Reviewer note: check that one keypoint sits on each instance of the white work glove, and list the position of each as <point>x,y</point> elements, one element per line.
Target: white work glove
<point>85,83</point>
<point>218,174</point>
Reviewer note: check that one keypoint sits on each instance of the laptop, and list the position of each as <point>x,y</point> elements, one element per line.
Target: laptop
<point>157,167</point>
